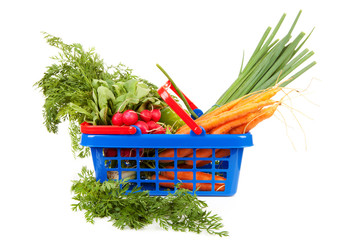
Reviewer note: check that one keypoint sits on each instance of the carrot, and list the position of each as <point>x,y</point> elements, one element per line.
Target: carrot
<point>206,153</point>
<point>244,128</point>
<point>225,128</point>
<point>200,153</point>
<point>209,124</point>
<point>241,102</point>
<point>184,166</point>
<point>259,96</point>
<point>188,175</point>
<point>189,186</point>
<point>221,153</point>
<point>199,163</point>
<point>163,184</point>
<point>181,152</point>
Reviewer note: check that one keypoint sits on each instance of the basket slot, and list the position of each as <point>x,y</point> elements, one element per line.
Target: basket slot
<point>112,175</point>
<point>111,163</point>
<point>185,152</point>
<point>110,152</point>
<point>222,153</point>
<point>222,164</point>
<point>129,174</point>
<point>166,164</point>
<point>146,174</point>
<point>128,163</point>
<point>148,185</point>
<point>147,164</point>
<point>204,153</point>
<point>222,174</point>
<point>129,152</point>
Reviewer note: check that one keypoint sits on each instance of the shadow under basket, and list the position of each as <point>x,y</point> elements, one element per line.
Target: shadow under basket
<point>207,162</point>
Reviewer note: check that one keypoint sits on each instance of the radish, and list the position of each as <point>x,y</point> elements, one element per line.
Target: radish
<point>117,119</point>
<point>145,115</point>
<point>129,117</point>
<point>130,152</point>
<point>143,126</point>
<point>159,130</point>
<point>110,152</point>
<point>155,115</point>
<point>152,125</point>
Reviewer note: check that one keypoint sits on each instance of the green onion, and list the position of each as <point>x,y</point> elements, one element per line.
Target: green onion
<point>179,92</point>
<point>271,61</point>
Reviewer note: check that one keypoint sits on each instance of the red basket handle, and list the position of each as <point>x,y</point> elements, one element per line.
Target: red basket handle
<point>177,108</point>
<point>87,128</point>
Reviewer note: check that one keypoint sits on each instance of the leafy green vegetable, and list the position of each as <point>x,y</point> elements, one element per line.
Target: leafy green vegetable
<point>180,211</point>
<point>79,87</point>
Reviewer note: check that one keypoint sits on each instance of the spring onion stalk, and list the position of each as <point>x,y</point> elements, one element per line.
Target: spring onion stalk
<point>179,92</point>
<point>271,62</point>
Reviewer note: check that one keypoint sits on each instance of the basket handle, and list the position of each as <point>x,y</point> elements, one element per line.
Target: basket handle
<point>88,128</point>
<point>177,108</point>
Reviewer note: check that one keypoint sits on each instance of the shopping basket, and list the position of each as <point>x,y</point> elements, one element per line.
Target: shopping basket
<point>118,152</point>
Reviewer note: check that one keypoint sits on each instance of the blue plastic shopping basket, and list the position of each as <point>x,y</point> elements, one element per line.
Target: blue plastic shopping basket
<point>118,152</point>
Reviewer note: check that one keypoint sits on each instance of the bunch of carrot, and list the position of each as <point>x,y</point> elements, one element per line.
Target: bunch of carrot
<point>236,117</point>
<point>239,116</point>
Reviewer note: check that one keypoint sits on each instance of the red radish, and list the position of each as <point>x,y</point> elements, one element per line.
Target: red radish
<point>152,125</point>
<point>145,115</point>
<point>117,119</point>
<point>143,127</point>
<point>155,115</point>
<point>159,130</point>
<point>141,152</point>
<point>130,152</point>
<point>110,152</point>
<point>129,117</point>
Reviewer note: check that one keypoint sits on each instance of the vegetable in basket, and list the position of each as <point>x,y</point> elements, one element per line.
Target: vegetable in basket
<point>80,87</point>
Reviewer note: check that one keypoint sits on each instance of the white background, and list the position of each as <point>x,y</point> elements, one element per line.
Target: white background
<point>297,184</point>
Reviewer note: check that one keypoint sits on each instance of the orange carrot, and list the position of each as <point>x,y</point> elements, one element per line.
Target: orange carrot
<point>225,128</point>
<point>209,124</point>
<point>200,153</point>
<point>251,98</point>
<point>221,153</point>
<point>263,95</point>
<point>189,186</point>
<point>199,163</point>
<point>244,128</point>
<point>188,175</point>
<point>184,166</point>
<point>206,153</point>
<point>163,184</point>
<point>181,152</point>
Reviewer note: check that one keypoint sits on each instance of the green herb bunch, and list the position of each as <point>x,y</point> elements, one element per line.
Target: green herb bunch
<point>80,87</point>
<point>136,209</point>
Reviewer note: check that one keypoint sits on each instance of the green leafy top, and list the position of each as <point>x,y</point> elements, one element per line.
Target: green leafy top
<point>80,87</point>
<point>180,211</point>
